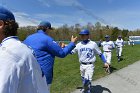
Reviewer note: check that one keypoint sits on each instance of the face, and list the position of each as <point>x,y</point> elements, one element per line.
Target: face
<point>107,38</point>
<point>1,30</point>
<point>119,38</point>
<point>84,37</point>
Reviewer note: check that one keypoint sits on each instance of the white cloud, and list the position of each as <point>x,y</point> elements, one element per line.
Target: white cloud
<point>60,2</point>
<point>24,19</point>
<point>70,19</point>
<point>57,16</point>
<point>124,18</point>
<point>43,16</point>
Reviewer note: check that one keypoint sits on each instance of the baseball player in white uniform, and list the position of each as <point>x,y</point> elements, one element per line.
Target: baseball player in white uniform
<point>107,48</point>
<point>87,50</point>
<point>19,70</point>
<point>119,44</point>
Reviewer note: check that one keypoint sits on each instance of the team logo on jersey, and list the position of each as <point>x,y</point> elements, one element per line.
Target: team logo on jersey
<point>86,49</point>
<point>89,52</point>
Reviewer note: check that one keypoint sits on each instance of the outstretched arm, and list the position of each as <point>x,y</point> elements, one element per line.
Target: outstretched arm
<point>54,49</point>
<point>98,51</point>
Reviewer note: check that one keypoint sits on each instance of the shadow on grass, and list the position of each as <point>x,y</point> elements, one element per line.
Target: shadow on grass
<point>112,69</point>
<point>97,89</point>
<point>121,59</point>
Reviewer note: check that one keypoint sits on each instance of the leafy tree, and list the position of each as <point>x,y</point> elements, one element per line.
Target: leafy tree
<point>115,33</point>
<point>124,33</point>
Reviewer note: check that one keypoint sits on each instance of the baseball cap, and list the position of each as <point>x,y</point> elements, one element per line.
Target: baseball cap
<point>5,14</point>
<point>107,36</point>
<point>45,24</point>
<point>119,36</point>
<point>84,32</point>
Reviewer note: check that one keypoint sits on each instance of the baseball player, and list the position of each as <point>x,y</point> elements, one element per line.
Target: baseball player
<point>107,48</point>
<point>131,42</point>
<point>19,71</point>
<point>119,44</point>
<point>87,50</point>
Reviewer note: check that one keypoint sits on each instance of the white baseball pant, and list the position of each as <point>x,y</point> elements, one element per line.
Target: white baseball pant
<point>108,56</point>
<point>87,71</point>
<point>119,51</point>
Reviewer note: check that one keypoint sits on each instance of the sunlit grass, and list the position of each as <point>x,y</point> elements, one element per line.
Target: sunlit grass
<point>67,75</point>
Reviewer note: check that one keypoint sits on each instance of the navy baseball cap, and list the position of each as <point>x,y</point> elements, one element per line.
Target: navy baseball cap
<point>45,24</point>
<point>119,36</point>
<point>84,32</point>
<point>5,14</point>
<point>107,36</point>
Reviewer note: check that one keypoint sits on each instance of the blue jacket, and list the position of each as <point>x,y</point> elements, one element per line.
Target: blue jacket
<point>46,49</point>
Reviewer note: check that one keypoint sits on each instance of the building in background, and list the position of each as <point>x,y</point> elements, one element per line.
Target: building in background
<point>134,40</point>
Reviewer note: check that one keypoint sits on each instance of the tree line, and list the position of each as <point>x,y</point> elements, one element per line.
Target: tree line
<point>97,31</point>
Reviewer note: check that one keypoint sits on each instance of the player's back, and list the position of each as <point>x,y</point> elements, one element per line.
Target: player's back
<point>20,72</point>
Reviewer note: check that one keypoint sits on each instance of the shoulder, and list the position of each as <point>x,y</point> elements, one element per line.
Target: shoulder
<point>93,42</point>
<point>79,44</point>
<point>17,51</point>
<point>112,42</point>
<point>39,36</point>
<point>103,42</point>
<point>19,48</point>
<point>23,49</point>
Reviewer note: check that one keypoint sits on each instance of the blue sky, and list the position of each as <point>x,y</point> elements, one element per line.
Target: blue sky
<point>121,13</point>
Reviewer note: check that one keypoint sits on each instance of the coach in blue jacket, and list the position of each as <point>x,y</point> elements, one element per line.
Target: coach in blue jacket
<point>46,49</point>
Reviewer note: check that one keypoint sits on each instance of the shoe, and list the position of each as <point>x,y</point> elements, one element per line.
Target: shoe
<point>118,60</point>
<point>87,88</point>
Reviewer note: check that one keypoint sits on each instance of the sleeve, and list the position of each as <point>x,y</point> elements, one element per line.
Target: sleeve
<point>116,42</point>
<point>54,49</point>
<point>102,43</point>
<point>97,50</point>
<point>38,82</point>
<point>99,44</point>
<point>122,43</point>
<point>9,78</point>
<point>103,58</point>
<point>74,50</point>
<point>113,45</point>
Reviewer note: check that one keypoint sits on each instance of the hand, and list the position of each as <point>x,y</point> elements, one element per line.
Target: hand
<point>106,65</point>
<point>62,44</point>
<point>107,68</point>
<point>74,39</point>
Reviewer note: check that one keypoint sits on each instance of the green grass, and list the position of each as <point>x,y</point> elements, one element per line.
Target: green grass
<point>67,75</point>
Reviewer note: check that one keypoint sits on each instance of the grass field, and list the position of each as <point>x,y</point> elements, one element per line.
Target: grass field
<point>66,71</point>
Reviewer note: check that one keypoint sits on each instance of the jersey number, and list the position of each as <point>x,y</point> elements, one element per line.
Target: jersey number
<point>89,55</point>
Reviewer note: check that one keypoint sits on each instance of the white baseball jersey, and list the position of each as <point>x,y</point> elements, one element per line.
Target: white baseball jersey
<point>119,43</point>
<point>108,46</point>
<point>19,70</point>
<point>86,52</point>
